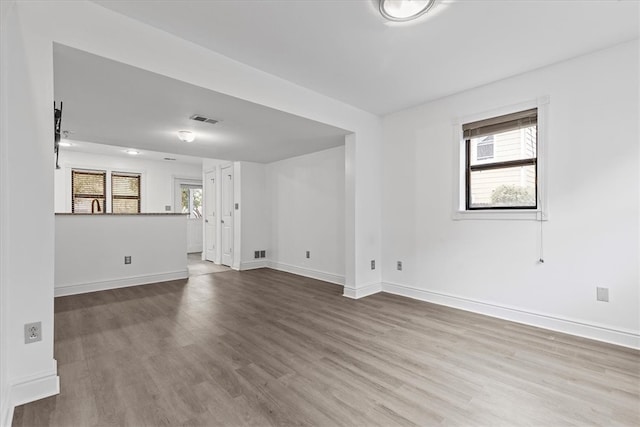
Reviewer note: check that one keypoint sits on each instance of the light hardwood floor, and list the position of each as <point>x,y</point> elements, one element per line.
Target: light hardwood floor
<point>269,348</point>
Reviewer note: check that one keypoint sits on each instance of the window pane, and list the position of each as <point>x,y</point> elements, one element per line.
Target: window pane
<point>196,203</point>
<point>125,206</point>
<point>123,185</point>
<point>88,189</point>
<point>507,187</point>
<point>125,192</point>
<point>185,200</point>
<point>502,147</point>
<point>88,183</point>
<point>83,205</point>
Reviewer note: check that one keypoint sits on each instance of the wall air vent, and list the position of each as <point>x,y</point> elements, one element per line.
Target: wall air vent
<point>199,118</point>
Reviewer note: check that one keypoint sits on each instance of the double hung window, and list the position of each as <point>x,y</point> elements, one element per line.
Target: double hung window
<point>501,163</point>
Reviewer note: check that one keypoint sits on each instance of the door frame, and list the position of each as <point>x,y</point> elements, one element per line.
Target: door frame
<point>178,182</point>
<point>219,195</point>
<point>216,225</point>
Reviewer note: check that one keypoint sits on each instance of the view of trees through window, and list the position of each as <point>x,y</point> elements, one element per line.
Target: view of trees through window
<point>192,201</point>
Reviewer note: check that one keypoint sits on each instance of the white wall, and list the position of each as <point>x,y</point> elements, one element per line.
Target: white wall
<point>254,208</point>
<point>308,214</point>
<point>157,181</point>
<point>90,251</point>
<point>6,35</point>
<point>27,222</point>
<point>591,238</point>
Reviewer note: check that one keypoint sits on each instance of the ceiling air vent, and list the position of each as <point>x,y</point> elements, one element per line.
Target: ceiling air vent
<point>199,118</point>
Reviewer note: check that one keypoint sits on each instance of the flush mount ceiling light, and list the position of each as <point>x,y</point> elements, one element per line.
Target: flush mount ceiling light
<point>132,152</point>
<point>404,10</point>
<point>186,135</point>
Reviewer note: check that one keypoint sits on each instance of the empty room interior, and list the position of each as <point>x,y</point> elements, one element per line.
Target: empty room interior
<point>317,212</point>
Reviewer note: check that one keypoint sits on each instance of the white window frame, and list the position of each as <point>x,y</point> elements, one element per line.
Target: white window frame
<point>459,206</point>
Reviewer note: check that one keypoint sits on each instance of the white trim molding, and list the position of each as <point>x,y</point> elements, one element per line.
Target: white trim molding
<point>362,291</point>
<point>625,338</point>
<point>29,389</point>
<point>35,389</point>
<point>6,409</point>
<point>124,282</point>
<point>252,265</point>
<point>307,272</point>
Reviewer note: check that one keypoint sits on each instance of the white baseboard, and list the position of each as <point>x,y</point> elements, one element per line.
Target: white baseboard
<point>6,410</point>
<point>252,265</point>
<point>602,333</point>
<point>362,291</point>
<point>34,387</point>
<point>307,272</point>
<point>119,283</point>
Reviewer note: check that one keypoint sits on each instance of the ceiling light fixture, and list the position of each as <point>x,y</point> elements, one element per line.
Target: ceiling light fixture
<point>64,144</point>
<point>186,135</point>
<point>404,10</point>
<point>132,152</point>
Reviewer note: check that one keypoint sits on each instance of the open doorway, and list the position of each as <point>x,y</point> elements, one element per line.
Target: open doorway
<point>197,266</point>
<point>188,200</point>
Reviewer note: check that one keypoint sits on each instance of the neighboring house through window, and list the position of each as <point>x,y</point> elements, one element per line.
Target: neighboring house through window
<point>88,189</point>
<point>501,162</point>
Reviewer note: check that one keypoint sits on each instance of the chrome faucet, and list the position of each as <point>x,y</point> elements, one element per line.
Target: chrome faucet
<point>95,202</point>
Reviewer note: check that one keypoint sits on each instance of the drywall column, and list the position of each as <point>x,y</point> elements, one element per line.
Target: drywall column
<point>363,164</point>
<point>6,13</point>
<point>28,233</point>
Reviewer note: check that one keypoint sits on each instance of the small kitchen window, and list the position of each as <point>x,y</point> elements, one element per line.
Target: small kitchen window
<point>125,193</point>
<point>88,189</point>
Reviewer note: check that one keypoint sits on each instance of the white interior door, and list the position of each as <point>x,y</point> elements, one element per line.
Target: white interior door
<point>226,221</point>
<point>210,215</point>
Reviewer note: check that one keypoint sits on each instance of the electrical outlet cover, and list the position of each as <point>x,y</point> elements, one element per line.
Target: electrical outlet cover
<point>602,294</point>
<point>32,332</point>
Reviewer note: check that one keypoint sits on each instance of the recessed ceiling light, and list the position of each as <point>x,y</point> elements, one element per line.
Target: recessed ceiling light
<point>64,144</point>
<point>186,135</point>
<point>132,152</point>
<point>404,10</point>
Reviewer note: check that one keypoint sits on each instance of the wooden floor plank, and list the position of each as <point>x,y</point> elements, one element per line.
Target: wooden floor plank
<point>263,347</point>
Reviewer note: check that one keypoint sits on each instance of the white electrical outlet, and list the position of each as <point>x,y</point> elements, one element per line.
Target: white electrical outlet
<point>32,332</point>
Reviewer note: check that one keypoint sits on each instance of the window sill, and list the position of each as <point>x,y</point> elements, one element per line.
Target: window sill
<point>504,214</point>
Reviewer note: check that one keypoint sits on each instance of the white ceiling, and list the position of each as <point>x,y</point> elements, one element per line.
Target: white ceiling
<point>346,50</point>
<point>119,151</point>
<point>108,102</point>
